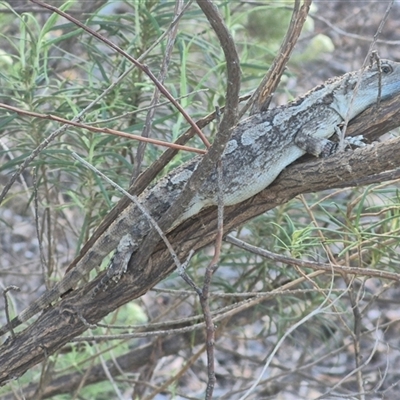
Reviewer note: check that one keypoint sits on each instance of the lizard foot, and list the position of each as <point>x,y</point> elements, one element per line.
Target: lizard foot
<point>354,141</point>
<point>330,148</point>
<point>118,264</point>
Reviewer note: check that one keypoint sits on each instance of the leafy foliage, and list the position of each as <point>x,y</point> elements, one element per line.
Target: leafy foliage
<point>49,66</point>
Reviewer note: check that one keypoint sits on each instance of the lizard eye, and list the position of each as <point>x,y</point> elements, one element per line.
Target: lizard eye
<point>386,69</point>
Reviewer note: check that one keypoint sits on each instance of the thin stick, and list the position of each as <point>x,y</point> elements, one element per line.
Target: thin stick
<point>261,98</point>
<point>101,130</point>
<point>340,269</point>
<point>156,94</point>
<point>77,118</point>
<point>138,204</point>
<point>141,66</point>
<point>7,289</point>
<point>370,56</point>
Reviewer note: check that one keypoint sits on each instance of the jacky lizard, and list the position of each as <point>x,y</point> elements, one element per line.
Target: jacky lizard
<point>260,148</point>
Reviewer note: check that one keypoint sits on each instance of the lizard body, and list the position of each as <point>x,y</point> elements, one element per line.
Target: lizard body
<point>261,146</point>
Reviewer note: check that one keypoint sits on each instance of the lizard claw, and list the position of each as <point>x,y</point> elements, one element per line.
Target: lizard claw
<point>330,147</point>
<point>354,141</point>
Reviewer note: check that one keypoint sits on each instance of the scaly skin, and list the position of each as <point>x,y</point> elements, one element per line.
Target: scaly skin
<point>260,148</point>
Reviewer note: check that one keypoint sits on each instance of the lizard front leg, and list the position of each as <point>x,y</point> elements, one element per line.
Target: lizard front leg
<point>323,147</point>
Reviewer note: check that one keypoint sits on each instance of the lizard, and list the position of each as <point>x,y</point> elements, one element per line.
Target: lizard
<point>260,147</point>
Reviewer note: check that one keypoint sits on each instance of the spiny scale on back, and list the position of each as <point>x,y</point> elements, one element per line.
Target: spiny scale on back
<point>264,144</point>
<point>260,148</point>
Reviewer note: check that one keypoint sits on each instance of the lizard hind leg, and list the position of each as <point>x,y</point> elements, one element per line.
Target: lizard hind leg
<point>118,264</point>
<point>318,147</point>
<point>331,148</point>
<point>322,147</point>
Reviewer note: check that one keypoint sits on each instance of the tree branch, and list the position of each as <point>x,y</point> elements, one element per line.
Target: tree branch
<point>58,325</point>
<point>261,98</point>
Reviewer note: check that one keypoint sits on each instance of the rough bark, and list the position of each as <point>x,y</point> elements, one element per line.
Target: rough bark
<point>59,324</point>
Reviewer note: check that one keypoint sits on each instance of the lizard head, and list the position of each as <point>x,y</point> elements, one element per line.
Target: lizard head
<point>380,80</point>
<point>358,90</point>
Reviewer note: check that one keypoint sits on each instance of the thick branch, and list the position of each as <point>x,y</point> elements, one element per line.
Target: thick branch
<point>261,98</point>
<point>60,324</point>
<point>228,122</point>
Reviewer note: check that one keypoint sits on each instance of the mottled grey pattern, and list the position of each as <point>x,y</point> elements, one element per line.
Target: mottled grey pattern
<point>260,148</point>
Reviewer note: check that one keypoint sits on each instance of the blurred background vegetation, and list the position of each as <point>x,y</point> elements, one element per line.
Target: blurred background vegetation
<point>50,66</point>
